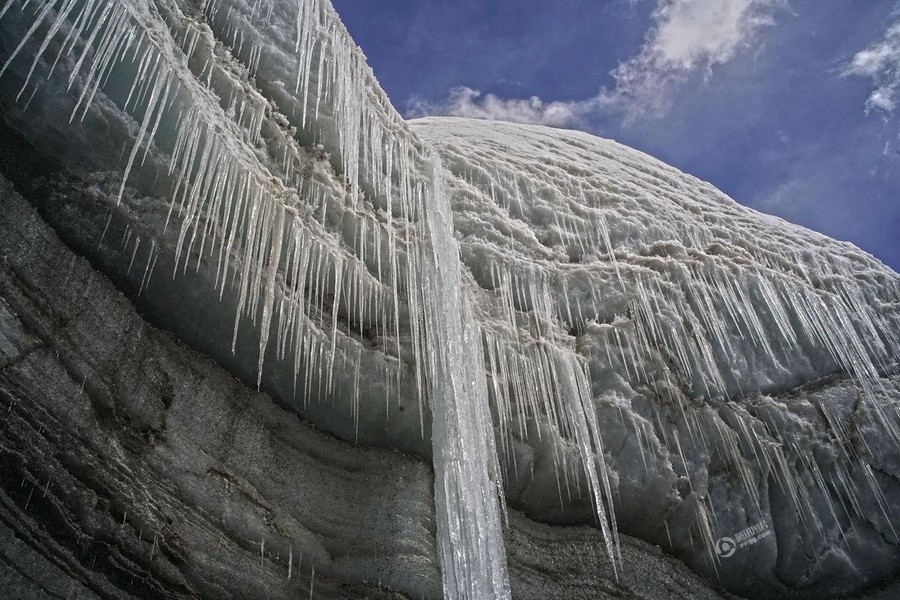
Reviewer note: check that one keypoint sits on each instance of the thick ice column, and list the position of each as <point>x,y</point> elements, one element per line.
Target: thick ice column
<point>467,482</point>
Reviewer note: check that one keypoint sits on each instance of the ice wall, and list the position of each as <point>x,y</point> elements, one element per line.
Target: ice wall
<point>742,370</point>
<point>287,178</point>
<point>637,342</point>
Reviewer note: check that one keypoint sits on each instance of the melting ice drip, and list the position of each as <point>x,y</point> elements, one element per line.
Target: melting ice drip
<point>467,473</point>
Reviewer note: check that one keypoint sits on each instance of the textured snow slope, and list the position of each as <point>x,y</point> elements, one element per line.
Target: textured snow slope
<point>656,357</point>
<point>743,369</point>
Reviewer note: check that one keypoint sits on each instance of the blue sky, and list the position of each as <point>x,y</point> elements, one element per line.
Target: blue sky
<point>789,106</point>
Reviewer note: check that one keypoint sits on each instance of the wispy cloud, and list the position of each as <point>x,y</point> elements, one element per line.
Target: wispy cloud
<point>685,37</point>
<point>881,63</point>
<point>467,102</point>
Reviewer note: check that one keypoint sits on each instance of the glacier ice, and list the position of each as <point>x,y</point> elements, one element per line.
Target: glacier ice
<point>714,338</point>
<point>590,335</point>
<point>241,207</point>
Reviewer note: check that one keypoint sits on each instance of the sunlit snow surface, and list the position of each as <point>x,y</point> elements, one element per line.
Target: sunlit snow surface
<point>742,368</point>
<point>656,358</point>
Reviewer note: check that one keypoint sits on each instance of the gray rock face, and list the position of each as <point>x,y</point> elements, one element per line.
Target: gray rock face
<point>141,465</point>
<point>132,466</point>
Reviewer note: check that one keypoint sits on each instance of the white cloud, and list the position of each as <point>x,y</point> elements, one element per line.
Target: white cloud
<point>881,63</point>
<point>468,102</point>
<point>686,36</point>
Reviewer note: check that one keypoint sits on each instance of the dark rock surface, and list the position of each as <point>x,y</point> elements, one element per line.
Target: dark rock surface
<point>137,466</point>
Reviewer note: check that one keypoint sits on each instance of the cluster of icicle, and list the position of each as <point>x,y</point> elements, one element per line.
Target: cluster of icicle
<point>263,217</point>
<point>721,306</point>
<point>559,389</point>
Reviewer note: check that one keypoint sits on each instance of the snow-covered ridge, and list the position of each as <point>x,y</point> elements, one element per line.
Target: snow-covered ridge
<point>641,335</point>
